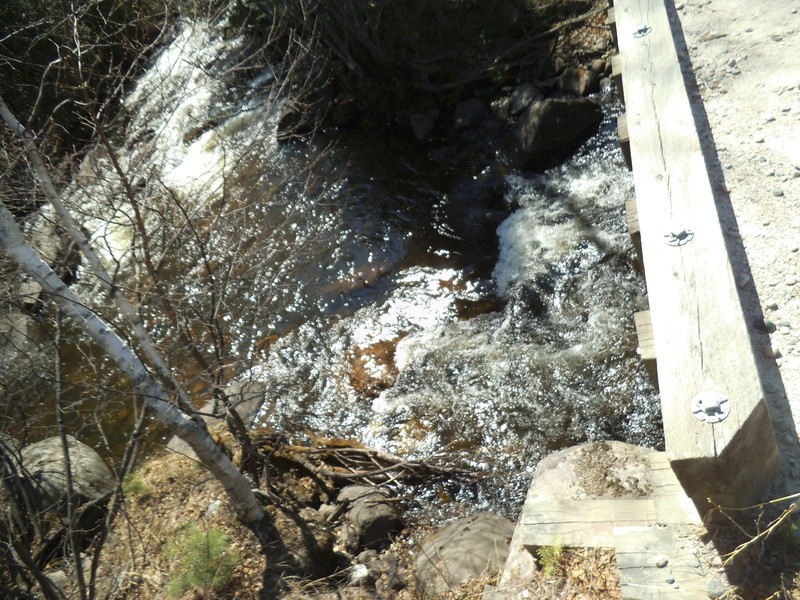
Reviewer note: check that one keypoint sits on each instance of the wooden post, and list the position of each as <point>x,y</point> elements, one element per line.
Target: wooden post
<point>647,349</point>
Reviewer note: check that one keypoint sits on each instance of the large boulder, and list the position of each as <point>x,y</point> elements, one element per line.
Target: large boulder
<point>371,518</point>
<point>463,550</point>
<point>44,473</point>
<point>552,129</point>
<point>608,469</point>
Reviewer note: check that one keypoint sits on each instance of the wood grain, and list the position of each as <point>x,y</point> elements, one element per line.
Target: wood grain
<point>700,335</point>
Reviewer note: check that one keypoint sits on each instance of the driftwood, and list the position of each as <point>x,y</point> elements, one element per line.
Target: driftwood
<point>337,461</point>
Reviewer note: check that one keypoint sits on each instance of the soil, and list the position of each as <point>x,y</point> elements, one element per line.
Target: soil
<point>746,60</point>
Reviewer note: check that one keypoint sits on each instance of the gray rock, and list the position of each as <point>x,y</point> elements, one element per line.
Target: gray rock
<point>578,81</point>
<point>461,551</point>
<point>468,113</point>
<point>607,469</point>
<point>360,576</point>
<point>501,107</point>
<point>371,519</point>
<point>552,129</point>
<point>47,474</point>
<point>522,97</point>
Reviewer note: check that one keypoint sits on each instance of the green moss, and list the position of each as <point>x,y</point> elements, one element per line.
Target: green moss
<point>204,560</point>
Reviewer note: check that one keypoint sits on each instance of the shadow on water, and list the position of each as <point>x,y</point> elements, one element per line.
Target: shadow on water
<point>767,567</point>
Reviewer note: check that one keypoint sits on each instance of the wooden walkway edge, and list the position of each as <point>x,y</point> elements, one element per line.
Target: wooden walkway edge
<point>697,330</point>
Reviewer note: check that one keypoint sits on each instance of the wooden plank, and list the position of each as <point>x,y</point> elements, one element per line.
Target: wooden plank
<point>590,523</point>
<point>700,334</point>
<point>685,574</point>
<point>624,139</point>
<point>647,348</point>
<point>632,217</point>
<point>616,76</point>
<point>644,330</point>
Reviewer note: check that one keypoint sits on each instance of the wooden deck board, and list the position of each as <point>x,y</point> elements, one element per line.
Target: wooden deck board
<point>637,549</point>
<point>700,335</point>
<point>591,522</point>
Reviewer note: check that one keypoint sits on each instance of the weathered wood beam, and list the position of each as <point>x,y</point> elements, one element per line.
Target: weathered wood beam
<point>700,334</point>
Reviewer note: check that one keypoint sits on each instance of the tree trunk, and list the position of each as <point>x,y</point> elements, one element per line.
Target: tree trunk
<point>239,491</point>
<point>77,236</point>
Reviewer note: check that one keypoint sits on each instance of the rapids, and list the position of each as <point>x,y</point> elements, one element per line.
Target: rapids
<point>398,312</point>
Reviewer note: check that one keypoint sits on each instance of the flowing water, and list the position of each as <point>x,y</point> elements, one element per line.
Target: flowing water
<point>420,300</point>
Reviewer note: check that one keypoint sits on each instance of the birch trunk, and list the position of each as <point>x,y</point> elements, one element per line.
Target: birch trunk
<point>96,266</point>
<point>237,487</point>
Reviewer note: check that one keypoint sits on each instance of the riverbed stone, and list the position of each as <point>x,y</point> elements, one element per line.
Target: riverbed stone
<point>463,550</point>
<point>578,81</point>
<point>552,129</point>
<point>600,66</point>
<point>372,518</point>
<point>522,97</point>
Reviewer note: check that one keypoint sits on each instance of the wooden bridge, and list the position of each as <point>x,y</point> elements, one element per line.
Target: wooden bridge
<point>695,338</point>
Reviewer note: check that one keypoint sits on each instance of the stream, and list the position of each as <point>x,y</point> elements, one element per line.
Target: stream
<point>419,299</point>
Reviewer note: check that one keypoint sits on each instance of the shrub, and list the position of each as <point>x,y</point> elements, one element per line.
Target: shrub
<point>204,561</point>
<point>550,559</point>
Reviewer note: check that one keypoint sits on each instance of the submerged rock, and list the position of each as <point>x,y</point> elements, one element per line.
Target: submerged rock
<point>550,130</point>
<point>468,113</point>
<point>463,550</point>
<point>422,125</point>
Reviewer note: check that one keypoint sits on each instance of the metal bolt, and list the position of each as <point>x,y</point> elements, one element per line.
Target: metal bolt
<point>711,407</point>
<point>642,31</point>
<point>682,237</point>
